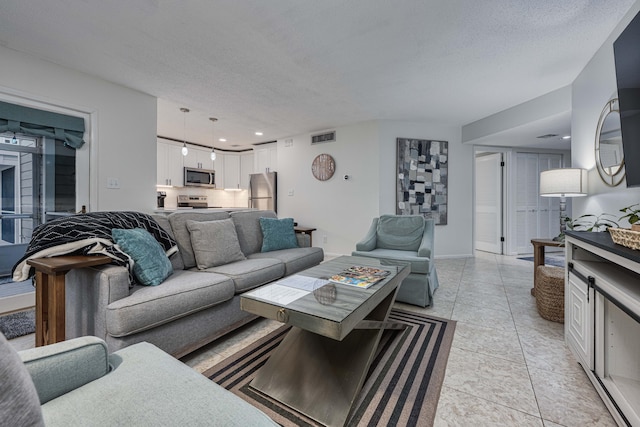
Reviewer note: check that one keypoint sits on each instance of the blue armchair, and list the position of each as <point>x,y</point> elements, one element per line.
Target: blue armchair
<point>405,239</point>
<point>77,383</point>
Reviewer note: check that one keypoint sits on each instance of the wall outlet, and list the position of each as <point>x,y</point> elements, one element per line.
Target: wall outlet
<point>290,192</point>
<point>324,239</point>
<point>113,183</point>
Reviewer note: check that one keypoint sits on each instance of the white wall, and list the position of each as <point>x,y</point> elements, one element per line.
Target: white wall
<point>123,126</point>
<point>342,209</point>
<point>595,85</point>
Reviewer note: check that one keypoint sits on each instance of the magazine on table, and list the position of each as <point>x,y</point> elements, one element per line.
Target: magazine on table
<point>359,276</point>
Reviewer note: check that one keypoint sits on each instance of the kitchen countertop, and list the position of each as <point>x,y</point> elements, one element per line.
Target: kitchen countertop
<point>171,210</point>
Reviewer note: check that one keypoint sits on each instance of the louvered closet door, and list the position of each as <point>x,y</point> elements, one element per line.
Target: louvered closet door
<point>536,217</point>
<point>488,228</point>
<point>526,200</point>
<point>549,217</point>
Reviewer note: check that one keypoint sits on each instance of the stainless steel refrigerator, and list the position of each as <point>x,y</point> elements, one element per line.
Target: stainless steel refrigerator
<point>263,192</point>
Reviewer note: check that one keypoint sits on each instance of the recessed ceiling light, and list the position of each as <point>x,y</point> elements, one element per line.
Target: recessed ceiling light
<point>223,140</point>
<point>258,133</point>
<point>566,137</point>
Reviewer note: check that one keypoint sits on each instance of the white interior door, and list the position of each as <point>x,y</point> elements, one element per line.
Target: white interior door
<point>488,226</point>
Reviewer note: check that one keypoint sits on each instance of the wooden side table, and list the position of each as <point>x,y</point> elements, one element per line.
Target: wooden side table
<point>538,256</point>
<point>50,293</point>
<point>305,230</point>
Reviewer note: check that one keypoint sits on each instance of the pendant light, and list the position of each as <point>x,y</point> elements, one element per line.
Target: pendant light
<point>213,152</point>
<point>185,150</point>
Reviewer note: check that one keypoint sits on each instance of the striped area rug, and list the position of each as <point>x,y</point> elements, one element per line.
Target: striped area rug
<point>402,387</point>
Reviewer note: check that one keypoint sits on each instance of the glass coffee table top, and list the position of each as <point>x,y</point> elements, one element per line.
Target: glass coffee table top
<point>322,307</point>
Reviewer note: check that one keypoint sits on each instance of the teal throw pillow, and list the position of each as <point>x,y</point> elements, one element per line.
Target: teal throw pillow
<point>151,264</point>
<point>277,234</point>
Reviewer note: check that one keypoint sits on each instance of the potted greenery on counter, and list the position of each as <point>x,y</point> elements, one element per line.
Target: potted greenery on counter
<point>590,222</point>
<point>631,213</point>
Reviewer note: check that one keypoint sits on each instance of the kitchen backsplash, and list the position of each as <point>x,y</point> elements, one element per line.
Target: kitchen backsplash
<point>215,198</point>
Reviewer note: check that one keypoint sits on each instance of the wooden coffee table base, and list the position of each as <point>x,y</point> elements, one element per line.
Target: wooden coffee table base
<point>319,376</point>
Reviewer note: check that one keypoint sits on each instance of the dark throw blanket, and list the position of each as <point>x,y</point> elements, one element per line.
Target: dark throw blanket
<point>88,234</point>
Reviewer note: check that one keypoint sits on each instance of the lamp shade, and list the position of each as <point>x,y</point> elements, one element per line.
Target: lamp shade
<point>569,182</point>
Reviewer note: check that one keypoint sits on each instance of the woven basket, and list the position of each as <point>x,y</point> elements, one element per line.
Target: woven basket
<point>550,293</point>
<point>625,237</point>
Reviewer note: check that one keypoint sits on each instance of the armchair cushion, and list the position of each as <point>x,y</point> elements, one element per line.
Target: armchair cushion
<point>392,256</point>
<point>59,368</point>
<point>400,232</point>
<point>19,401</point>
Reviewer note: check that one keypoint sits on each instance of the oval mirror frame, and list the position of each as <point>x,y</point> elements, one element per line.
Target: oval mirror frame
<point>610,175</point>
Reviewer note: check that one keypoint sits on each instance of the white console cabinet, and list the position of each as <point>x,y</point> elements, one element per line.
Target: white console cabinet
<point>602,319</point>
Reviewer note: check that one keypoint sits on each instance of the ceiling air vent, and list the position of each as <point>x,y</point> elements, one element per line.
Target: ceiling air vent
<point>321,138</point>
<point>549,135</point>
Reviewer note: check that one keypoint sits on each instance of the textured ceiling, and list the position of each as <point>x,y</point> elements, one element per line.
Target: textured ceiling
<point>286,67</point>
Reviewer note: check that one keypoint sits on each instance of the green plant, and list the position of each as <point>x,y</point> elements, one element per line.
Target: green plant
<point>590,222</point>
<point>632,213</point>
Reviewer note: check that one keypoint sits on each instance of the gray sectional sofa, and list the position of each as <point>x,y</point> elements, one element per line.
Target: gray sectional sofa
<point>192,307</point>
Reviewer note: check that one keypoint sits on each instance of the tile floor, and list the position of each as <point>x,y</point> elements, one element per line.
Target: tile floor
<point>507,367</point>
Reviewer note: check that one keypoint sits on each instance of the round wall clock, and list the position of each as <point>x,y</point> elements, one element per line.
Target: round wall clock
<point>323,167</point>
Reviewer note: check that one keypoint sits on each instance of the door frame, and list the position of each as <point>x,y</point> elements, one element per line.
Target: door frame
<point>86,156</point>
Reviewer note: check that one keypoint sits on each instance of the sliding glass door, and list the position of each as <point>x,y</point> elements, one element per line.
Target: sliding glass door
<point>37,183</point>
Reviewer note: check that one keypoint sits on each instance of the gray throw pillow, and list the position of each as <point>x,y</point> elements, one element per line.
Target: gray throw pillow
<point>19,402</point>
<point>214,243</point>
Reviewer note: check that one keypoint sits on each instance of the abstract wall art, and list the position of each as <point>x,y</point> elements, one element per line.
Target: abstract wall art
<point>422,176</point>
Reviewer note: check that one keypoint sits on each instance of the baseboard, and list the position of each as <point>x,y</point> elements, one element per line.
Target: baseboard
<point>17,302</point>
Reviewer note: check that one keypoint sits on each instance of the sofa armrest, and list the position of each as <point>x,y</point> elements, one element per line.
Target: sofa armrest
<point>426,245</point>
<point>88,293</point>
<point>368,242</point>
<point>304,240</point>
<point>58,368</point>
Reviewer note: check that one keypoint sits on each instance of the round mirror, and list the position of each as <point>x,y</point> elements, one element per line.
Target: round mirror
<point>609,154</point>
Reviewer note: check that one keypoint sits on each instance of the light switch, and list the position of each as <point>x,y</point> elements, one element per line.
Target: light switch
<point>113,183</point>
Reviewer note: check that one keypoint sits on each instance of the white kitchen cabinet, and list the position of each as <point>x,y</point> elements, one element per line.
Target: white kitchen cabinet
<point>266,158</point>
<point>231,171</point>
<point>246,169</point>
<point>218,167</point>
<point>169,165</point>
<point>199,158</point>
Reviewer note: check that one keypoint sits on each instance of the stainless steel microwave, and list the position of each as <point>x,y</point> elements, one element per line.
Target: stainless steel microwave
<point>194,177</point>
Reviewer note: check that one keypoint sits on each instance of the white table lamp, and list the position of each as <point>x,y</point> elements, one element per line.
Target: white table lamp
<point>563,183</point>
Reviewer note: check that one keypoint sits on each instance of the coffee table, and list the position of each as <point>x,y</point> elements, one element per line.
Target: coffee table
<point>321,365</point>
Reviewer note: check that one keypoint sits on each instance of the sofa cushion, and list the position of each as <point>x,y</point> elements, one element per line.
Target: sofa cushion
<point>19,402</point>
<point>400,232</point>
<point>214,243</point>
<point>294,260</point>
<point>151,265</point>
<point>277,234</point>
<point>248,229</point>
<point>250,273</point>
<point>178,221</point>
<point>418,264</point>
<point>175,258</point>
<point>183,293</point>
